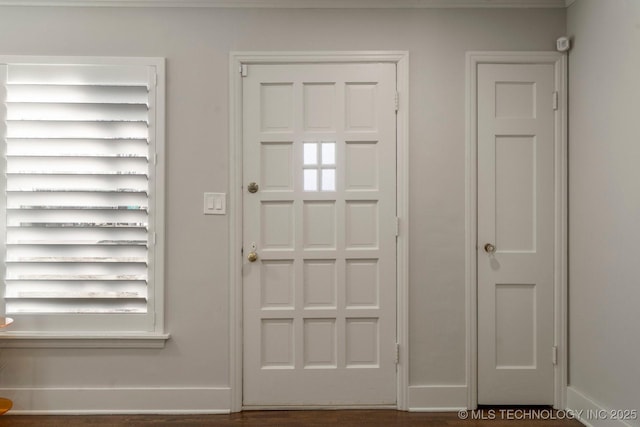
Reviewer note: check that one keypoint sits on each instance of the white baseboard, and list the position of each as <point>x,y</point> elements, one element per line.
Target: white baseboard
<point>591,413</point>
<point>59,401</point>
<point>441,398</point>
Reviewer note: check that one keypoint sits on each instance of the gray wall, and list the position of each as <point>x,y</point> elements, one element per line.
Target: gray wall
<point>604,203</point>
<point>196,43</point>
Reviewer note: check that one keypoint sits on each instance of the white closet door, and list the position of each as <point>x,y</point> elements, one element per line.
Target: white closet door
<point>515,233</point>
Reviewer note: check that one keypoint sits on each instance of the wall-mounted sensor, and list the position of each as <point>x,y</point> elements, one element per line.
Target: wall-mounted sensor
<point>563,44</point>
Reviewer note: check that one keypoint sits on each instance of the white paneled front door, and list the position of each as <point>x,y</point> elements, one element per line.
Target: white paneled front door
<point>319,206</point>
<point>516,233</point>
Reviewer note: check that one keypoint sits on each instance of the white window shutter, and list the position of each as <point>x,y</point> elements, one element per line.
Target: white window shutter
<point>78,190</point>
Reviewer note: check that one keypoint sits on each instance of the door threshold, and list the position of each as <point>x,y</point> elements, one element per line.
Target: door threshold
<point>314,407</point>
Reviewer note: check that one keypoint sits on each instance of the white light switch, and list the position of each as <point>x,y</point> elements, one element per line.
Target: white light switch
<point>215,203</point>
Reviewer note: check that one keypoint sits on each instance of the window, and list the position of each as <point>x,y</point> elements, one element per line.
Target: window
<point>319,166</point>
<point>83,180</point>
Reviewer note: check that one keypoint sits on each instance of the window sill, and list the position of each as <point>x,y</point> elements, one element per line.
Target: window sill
<point>82,340</point>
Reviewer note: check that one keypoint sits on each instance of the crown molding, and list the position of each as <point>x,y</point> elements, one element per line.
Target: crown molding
<point>300,4</point>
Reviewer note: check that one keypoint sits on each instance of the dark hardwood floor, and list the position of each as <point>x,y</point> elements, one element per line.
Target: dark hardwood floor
<point>369,418</point>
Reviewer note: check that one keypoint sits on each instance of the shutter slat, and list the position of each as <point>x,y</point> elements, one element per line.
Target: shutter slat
<point>36,172</point>
<point>78,295</point>
<point>58,305</point>
<point>78,156</point>
<point>78,242</point>
<point>43,147</point>
<point>15,287</point>
<point>80,225</point>
<point>17,216</point>
<point>102,278</point>
<point>67,94</point>
<point>119,75</point>
<point>58,259</point>
<point>100,208</point>
<point>50,111</point>
<point>77,190</point>
<point>82,310</point>
<point>57,184</point>
<point>33,129</point>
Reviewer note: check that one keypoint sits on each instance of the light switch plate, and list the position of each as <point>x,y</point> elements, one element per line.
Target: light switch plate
<point>215,203</point>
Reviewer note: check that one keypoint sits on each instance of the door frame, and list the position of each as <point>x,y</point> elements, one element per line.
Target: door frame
<point>559,61</point>
<point>236,61</point>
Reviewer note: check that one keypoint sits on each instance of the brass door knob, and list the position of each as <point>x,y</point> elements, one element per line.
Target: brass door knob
<point>252,257</point>
<point>489,248</point>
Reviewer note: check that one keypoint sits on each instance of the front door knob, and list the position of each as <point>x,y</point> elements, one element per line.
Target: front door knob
<point>252,187</point>
<point>253,256</point>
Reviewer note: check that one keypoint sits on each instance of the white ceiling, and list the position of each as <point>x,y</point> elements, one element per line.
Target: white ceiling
<point>301,4</point>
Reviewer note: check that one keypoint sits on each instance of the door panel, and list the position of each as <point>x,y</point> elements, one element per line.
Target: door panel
<point>319,315</point>
<point>516,215</point>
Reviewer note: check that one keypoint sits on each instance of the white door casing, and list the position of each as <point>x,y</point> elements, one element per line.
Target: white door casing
<point>516,214</point>
<point>319,311</point>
